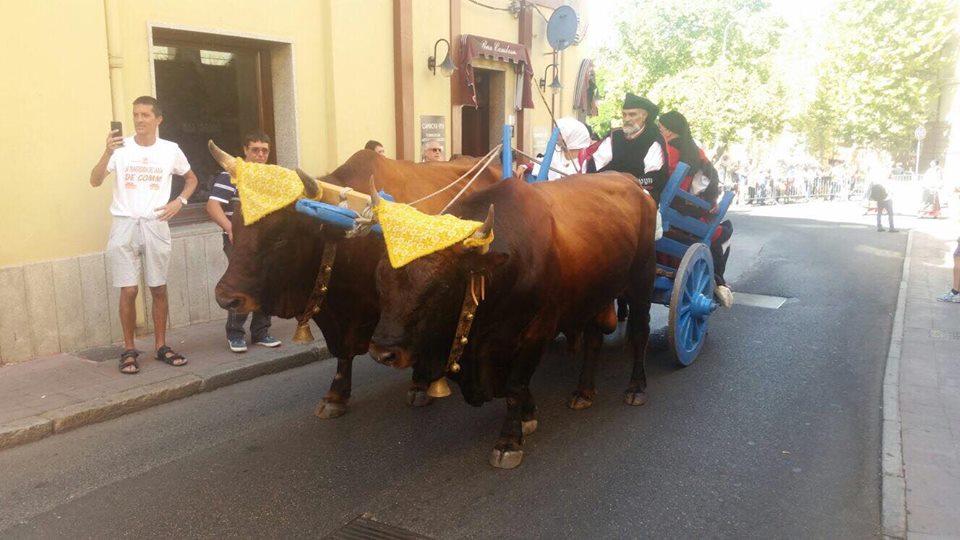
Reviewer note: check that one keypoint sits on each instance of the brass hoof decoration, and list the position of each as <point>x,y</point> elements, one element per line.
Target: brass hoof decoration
<point>506,459</point>
<point>303,334</point>
<point>439,388</point>
<point>634,398</point>
<point>529,426</point>
<point>328,409</point>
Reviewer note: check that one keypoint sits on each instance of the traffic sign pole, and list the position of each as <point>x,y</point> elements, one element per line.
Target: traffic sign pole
<point>919,133</point>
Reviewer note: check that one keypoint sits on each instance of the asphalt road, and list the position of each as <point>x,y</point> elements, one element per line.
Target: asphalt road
<point>773,433</point>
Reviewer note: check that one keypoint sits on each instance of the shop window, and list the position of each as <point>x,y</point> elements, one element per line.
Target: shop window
<point>210,88</point>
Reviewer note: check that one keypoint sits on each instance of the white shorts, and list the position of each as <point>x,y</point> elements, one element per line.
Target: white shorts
<point>129,239</point>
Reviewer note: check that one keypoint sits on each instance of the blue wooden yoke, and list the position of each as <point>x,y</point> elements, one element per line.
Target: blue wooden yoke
<point>341,218</point>
<point>702,231</point>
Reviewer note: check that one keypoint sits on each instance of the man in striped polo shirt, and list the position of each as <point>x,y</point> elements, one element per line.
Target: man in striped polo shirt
<point>256,149</point>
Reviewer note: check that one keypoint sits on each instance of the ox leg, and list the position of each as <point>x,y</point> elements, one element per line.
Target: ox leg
<point>528,412</point>
<point>520,420</point>
<point>334,404</point>
<point>508,452</point>
<point>638,328</point>
<point>586,392</point>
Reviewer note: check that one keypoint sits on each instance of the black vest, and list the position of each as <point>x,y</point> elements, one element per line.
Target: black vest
<point>628,157</point>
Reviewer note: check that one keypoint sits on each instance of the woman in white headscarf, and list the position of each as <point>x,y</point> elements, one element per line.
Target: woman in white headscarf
<point>577,138</point>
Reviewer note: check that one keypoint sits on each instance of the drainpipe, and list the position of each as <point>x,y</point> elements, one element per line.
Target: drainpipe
<point>111,11</point>
<point>112,14</point>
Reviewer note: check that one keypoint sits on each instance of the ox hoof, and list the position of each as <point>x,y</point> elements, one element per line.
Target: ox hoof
<point>529,426</point>
<point>418,398</point>
<point>579,402</point>
<point>506,459</point>
<point>634,398</point>
<point>330,409</point>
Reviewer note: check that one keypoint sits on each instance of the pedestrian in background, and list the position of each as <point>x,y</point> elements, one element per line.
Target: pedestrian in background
<point>953,295</point>
<point>141,209</point>
<point>878,193</point>
<point>375,146</point>
<point>220,206</point>
<point>432,150</point>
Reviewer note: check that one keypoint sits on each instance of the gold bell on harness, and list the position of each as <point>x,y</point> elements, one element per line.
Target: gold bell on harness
<point>303,333</point>
<point>439,388</point>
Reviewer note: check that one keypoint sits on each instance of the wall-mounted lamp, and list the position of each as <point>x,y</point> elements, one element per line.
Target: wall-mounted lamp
<point>555,86</point>
<point>446,67</point>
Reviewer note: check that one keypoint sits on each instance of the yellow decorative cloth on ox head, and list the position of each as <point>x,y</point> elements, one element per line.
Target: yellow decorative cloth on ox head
<point>265,188</point>
<point>411,234</point>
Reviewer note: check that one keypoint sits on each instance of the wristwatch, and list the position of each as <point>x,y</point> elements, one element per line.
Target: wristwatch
<point>182,200</point>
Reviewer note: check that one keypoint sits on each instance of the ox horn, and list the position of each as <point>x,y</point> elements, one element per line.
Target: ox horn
<point>310,187</point>
<point>226,161</point>
<point>484,230</point>
<point>374,195</point>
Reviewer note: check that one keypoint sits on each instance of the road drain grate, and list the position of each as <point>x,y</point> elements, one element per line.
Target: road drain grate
<point>365,528</point>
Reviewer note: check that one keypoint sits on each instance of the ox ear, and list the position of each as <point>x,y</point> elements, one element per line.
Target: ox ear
<point>484,263</point>
<point>310,187</point>
<point>225,160</point>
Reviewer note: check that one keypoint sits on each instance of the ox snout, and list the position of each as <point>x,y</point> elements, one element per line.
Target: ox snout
<point>238,302</point>
<point>391,356</point>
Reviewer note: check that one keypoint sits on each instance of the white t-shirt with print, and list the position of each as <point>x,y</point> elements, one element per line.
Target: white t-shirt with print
<point>144,176</point>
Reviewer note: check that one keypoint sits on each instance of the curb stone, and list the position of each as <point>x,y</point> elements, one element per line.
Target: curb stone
<point>893,490</point>
<point>135,399</point>
<point>25,430</point>
<point>34,428</point>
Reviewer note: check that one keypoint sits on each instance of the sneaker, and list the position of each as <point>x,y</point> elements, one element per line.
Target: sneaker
<point>269,341</point>
<point>237,345</point>
<point>951,297</point>
<point>724,296</point>
<point>894,230</point>
<point>880,229</point>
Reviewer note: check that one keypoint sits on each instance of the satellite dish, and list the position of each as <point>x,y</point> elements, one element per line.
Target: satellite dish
<point>562,28</point>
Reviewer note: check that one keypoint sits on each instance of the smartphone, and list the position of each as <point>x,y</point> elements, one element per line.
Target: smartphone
<point>118,127</point>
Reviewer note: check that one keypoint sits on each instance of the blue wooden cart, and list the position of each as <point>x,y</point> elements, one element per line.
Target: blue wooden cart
<point>686,289</point>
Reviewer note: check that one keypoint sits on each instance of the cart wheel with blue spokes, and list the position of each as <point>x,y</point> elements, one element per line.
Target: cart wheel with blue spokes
<point>691,303</point>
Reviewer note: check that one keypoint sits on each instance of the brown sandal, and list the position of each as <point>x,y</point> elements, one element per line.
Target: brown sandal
<point>167,355</point>
<point>127,359</point>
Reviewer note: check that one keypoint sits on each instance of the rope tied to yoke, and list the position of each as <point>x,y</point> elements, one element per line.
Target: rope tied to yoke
<point>482,163</point>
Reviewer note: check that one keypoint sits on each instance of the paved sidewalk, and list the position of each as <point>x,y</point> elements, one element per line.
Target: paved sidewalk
<point>922,394</point>
<point>47,395</point>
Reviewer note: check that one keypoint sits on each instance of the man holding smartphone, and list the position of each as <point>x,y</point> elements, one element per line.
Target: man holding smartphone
<point>141,208</point>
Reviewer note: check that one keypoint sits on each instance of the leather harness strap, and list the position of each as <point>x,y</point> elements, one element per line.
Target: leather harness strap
<point>322,284</point>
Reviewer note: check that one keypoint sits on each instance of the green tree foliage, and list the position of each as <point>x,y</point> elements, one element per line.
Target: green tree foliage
<point>712,60</point>
<point>883,62</point>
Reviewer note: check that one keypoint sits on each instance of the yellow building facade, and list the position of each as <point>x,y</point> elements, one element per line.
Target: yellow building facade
<point>321,77</point>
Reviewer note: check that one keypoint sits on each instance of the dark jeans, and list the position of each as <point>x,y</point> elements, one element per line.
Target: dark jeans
<point>259,328</point>
<point>888,206</point>
<point>719,253</point>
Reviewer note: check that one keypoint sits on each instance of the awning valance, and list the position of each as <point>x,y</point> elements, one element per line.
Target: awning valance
<point>473,47</point>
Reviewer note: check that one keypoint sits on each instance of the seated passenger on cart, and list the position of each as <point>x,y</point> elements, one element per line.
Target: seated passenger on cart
<point>703,181</point>
<point>573,158</point>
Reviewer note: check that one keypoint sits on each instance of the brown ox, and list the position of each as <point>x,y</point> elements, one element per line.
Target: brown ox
<point>275,261</point>
<point>562,251</point>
